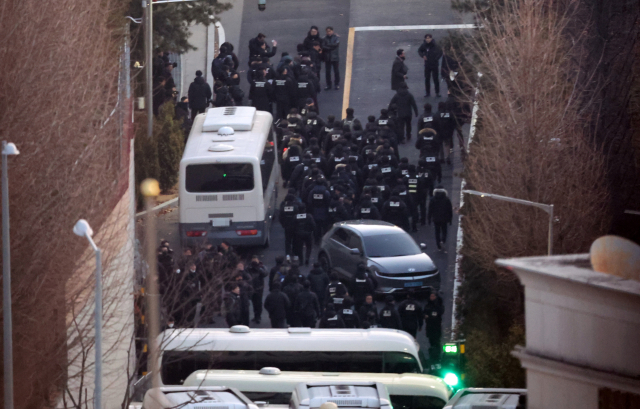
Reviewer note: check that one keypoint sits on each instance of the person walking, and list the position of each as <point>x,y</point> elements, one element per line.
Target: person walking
<point>199,95</point>
<point>348,315</point>
<point>368,312</point>
<point>258,273</point>
<point>330,318</point>
<point>288,210</point>
<point>277,303</point>
<point>411,314</point>
<point>399,70</point>
<point>319,280</point>
<point>441,213</point>
<point>430,53</point>
<point>389,317</point>
<point>231,304</point>
<point>335,291</point>
<point>331,52</point>
<point>433,311</point>
<point>307,306</point>
<point>404,102</point>
<point>304,228</point>
<point>361,285</point>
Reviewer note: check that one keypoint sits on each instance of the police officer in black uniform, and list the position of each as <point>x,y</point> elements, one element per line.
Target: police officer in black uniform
<point>395,211</point>
<point>305,227</point>
<point>389,317</point>
<point>289,208</point>
<point>336,291</point>
<point>349,316</point>
<point>410,314</point>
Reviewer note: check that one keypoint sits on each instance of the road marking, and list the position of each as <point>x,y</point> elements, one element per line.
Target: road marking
<point>347,74</point>
<point>426,27</point>
<point>351,40</point>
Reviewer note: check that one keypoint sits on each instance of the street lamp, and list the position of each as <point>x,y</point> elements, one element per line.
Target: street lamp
<point>8,149</point>
<point>547,208</point>
<point>83,229</point>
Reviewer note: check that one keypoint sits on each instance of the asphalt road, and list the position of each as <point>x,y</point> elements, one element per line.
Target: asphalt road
<point>288,21</point>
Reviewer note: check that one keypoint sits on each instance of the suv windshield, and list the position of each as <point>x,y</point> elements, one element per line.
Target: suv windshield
<point>390,245</point>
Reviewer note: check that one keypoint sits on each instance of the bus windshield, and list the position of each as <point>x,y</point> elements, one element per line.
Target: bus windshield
<point>219,177</point>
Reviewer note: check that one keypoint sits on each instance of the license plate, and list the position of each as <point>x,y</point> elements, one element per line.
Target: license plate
<point>413,284</point>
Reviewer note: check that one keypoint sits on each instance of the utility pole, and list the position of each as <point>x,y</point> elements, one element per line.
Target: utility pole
<point>148,54</point>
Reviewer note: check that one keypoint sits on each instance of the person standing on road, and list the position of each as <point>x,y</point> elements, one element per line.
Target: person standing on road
<point>246,292</point>
<point>291,287</point>
<point>410,314</point>
<point>258,273</point>
<point>430,53</point>
<point>433,311</point>
<point>404,102</point>
<point>307,306</point>
<point>199,95</point>
<point>348,315</point>
<point>368,312</point>
<point>277,303</point>
<point>319,280</point>
<point>289,208</point>
<point>335,292</point>
<point>441,213</point>
<point>276,274</point>
<point>389,317</point>
<point>285,93</point>
<point>331,52</point>
<point>362,285</point>
<point>318,200</point>
<point>232,304</point>
<point>399,70</point>
<point>261,92</point>
<point>330,318</point>
<point>304,229</point>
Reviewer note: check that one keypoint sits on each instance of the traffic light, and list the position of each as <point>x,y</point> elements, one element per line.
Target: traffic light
<point>452,364</point>
<point>262,5</point>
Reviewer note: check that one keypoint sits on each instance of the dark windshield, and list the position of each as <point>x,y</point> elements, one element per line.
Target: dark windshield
<point>390,245</point>
<point>219,177</point>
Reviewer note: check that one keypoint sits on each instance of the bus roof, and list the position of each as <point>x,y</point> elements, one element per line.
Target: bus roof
<point>241,143</point>
<point>285,382</point>
<point>288,339</point>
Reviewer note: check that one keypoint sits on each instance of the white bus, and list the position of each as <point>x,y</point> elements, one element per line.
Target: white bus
<point>375,350</point>
<point>228,178</point>
<point>407,390</point>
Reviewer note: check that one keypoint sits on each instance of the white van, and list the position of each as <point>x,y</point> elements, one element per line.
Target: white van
<point>228,178</point>
<point>375,350</point>
<point>352,395</point>
<point>407,391</point>
<point>182,397</point>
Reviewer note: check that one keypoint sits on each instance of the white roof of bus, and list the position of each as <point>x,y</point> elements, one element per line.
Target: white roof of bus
<point>285,382</point>
<point>298,339</point>
<point>245,143</point>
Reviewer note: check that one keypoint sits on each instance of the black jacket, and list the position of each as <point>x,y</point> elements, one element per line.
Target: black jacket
<point>398,71</point>
<point>232,308</point>
<point>335,293</point>
<point>330,48</point>
<point>258,275</point>
<point>349,317</point>
<point>319,281</point>
<point>440,209</point>
<point>307,305</point>
<point>308,41</point>
<point>331,319</point>
<point>277,303</point>
<point>369,313</point>
<point>389,317</point>
<point>260,94</point>
<point>199,94</point>
<point>432,52</point>
<point>410,313</point>
<point>395,211</point>
<point>433,312</point>
<point>404,102</point>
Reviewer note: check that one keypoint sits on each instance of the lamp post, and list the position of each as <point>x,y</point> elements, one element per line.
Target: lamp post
<point>150,189</point>
<point>83,229</point>
<point>547,208</point>
<point>8,149</point>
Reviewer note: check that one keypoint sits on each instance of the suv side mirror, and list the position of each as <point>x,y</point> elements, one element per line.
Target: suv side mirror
<point>423,246</point>
<point>355,252</point>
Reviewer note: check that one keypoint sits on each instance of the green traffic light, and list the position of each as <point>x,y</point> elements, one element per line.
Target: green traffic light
<point>451,349</point>
<point>224,175</point>
<point>451,379</point>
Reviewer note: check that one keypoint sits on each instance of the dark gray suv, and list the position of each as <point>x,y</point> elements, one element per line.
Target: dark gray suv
<point>391,255</point>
